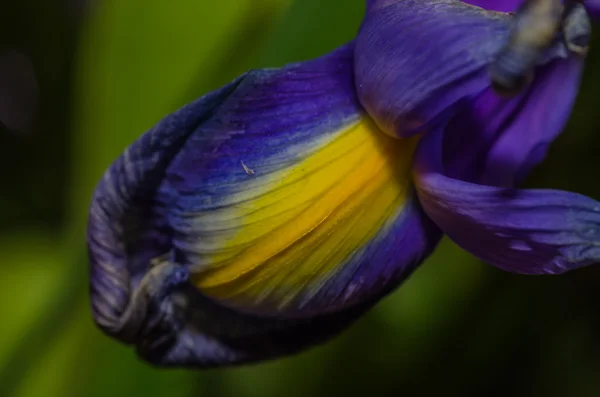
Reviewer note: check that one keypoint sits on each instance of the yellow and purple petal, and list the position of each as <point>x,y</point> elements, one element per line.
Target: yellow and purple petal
<point>290,200</point>
<point>270,214</point>
<point>275,201</point>
<point>471,134</point>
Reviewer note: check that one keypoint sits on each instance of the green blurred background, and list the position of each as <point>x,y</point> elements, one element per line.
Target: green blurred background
<point>107,70</point>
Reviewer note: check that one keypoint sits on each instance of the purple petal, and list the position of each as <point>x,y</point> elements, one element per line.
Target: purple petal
<point>294,236</point>
<point>228,337</point>
<point>126,225</point>
<point>411,85</point>
<point>416,59</point>
<point>497,5</point>
<point>522,231</point>
<point>286,208</point>
<point>593,8</point>
<point>374,4</point>
<point>496,140</point>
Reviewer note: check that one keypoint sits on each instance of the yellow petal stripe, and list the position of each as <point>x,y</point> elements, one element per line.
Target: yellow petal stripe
<point>295,228</point>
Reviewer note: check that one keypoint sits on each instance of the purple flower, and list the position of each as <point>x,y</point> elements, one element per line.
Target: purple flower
<point>267,216</point>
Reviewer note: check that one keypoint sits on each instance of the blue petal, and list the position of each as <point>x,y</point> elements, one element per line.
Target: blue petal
<point>496,141</point>
<point>126,225</point>
<point>262,219</point>
<point>417,61</point>
<point>290,201</point>
<point>522,231</point>
<point>215,336</point>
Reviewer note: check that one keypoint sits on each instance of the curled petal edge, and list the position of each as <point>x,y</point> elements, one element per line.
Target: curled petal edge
<point>524,231</point>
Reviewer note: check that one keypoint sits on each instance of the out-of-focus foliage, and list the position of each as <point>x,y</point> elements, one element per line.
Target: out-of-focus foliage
<point>109,69</point>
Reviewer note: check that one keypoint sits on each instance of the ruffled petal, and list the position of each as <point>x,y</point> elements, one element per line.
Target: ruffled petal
<point>440,78</point>
<point>415,59</point>
<point>496,141</point>
<point>522,231</point>
<point>291,201</point>
<point>262,219</point>
<point>210,335</point>
<point>127,225</point>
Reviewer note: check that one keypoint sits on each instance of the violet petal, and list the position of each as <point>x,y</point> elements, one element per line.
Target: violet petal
<point>521,231</point>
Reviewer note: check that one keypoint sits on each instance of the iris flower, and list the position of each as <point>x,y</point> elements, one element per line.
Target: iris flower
<point>267,216</point>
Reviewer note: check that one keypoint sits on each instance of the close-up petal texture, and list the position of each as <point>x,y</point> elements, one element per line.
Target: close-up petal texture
<point>523,231</point>
<point>403,87</point>
<point>270,196</point>
<point>278,196</point>
<point>496,141</point>
<point>269,215</point>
